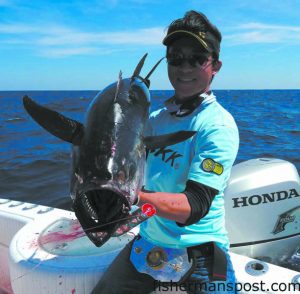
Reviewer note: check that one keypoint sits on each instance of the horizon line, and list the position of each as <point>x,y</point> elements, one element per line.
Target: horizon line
<point>93,90</point>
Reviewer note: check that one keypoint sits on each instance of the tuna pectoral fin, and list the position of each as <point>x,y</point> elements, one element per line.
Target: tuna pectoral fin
<point>153,142</point>
<point>58,125</point>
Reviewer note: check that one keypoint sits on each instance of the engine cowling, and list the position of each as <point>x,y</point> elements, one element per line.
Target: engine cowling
<point>262,202</point>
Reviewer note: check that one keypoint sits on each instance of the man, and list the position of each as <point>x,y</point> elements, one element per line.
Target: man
<point>185,243</point>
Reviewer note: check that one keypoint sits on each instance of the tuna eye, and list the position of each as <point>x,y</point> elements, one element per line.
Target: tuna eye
<point>132,97</point>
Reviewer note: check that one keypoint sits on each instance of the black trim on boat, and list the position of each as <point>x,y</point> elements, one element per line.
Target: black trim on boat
<point>262,241</point>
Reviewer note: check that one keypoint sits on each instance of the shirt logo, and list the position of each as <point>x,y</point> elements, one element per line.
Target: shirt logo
<point>211,166</point>
<point>167,155</point>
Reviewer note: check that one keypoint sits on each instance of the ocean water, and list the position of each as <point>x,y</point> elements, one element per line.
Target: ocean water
<point>35,166</point>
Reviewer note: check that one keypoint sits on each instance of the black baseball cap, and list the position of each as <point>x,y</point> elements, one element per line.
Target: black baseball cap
<point>196,25</point>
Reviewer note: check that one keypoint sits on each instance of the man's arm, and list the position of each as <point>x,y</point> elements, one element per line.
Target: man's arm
<point>185,208</point>
<point>173,206</point>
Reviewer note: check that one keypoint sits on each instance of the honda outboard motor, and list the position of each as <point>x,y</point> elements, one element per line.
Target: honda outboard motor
<point>262,203</point>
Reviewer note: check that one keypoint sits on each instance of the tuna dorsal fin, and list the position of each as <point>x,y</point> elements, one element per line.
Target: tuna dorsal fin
<point>153,142</point>
<point>55,123</point>
<point>118,85</point>
<point>138,68</point>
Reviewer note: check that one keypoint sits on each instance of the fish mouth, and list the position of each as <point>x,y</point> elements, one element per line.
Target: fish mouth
<point>99,212</point>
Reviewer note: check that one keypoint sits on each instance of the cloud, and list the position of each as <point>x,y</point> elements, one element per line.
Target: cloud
<point>149,36</point>
<point>59,41</point>
<point>22,29</point>
<point>262,26</point>
<point>15,29</point>
<point>5,3</point>
<point>63,52</point>
<point>55,40</point>
<point>66,52</point>
<point>260,33</point>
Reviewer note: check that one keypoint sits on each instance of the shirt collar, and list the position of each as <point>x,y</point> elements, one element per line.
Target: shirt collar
<point>189,106</point>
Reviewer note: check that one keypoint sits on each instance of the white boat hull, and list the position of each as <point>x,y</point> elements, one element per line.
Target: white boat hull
<point>44,250</point>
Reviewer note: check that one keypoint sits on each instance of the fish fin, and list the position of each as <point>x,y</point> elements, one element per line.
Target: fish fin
<point>138,68</point>
<point>153,142</point>
<point>55,123</point>
<point>118,85</point>
<point>147,80</point>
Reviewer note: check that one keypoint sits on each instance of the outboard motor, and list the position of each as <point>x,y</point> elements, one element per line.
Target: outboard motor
<point>262,202</point>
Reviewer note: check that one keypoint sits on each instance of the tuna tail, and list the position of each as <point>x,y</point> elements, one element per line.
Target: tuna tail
<point>147,81</point>
<point>138,68</point>
<point>55,123</point>
<point>153,142</point>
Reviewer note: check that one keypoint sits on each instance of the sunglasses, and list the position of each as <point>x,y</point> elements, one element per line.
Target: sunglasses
<point>194,60</point>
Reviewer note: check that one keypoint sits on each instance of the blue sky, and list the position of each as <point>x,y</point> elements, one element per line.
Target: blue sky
<point>82,45</point>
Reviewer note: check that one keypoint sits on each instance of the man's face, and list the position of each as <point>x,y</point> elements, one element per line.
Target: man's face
<point>187,79</point>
